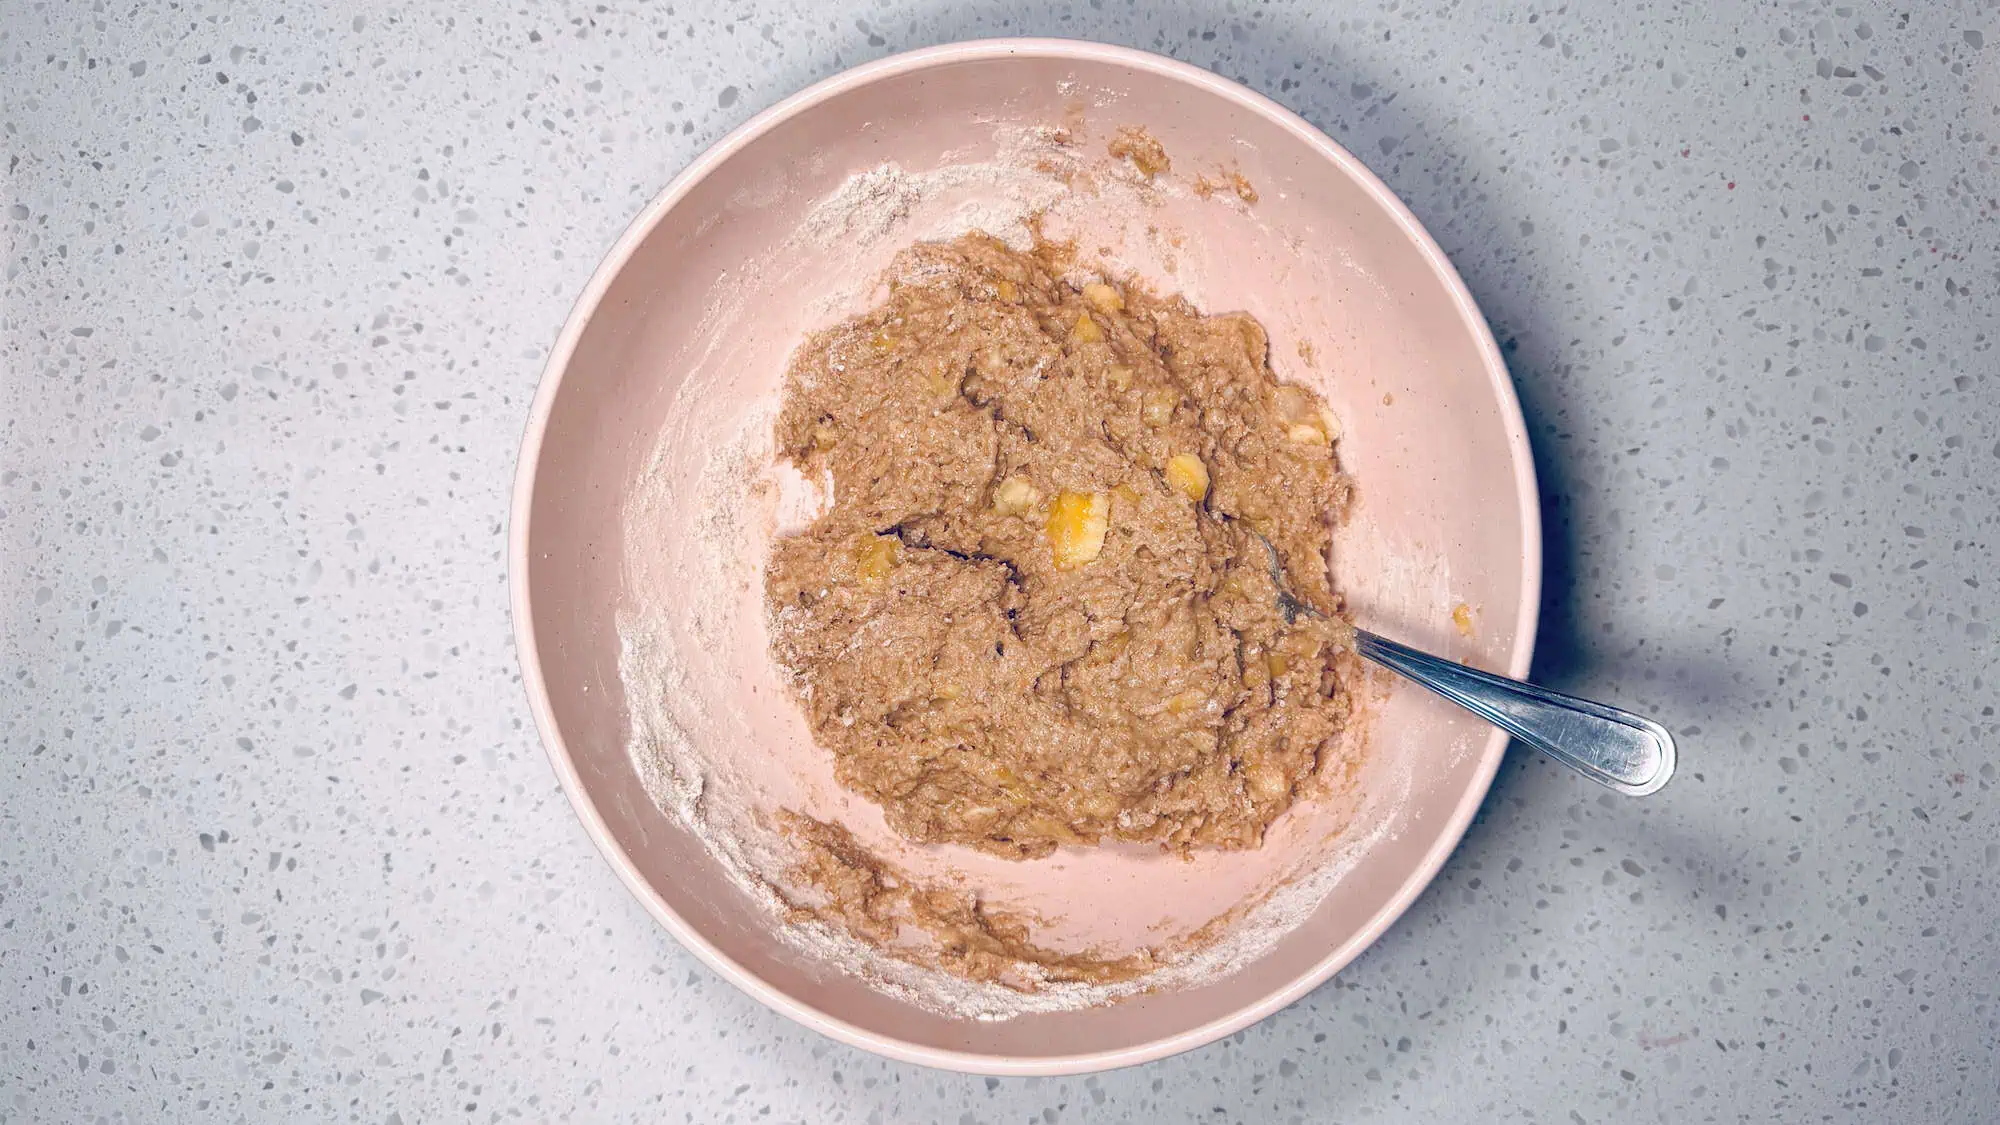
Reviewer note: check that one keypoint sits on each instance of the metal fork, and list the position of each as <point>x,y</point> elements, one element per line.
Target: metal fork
<point>1619,750</point>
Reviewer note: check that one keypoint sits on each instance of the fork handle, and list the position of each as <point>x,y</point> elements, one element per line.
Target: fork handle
<point>1616,749</point>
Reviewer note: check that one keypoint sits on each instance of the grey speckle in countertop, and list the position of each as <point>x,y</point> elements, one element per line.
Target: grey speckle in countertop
<point>279,840</point>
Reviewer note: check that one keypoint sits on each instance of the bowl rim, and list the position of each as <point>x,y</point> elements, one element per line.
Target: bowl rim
<point>584,310</point>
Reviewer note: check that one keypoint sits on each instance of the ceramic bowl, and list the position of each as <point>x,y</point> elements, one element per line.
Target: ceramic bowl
<point>631,499</point>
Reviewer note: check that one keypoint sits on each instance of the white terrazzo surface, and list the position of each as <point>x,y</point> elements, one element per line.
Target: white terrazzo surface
<point>277,841</point>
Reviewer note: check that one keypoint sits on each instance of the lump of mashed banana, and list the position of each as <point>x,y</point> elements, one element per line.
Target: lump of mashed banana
<point>1038,612</point>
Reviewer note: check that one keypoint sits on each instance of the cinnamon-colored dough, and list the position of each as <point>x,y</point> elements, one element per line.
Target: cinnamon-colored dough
<point>1134,143</point>
<point>1029,619</point>
<point>840,883</point>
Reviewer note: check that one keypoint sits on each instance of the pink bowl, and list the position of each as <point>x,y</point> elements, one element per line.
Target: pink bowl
<point>1359,301</point>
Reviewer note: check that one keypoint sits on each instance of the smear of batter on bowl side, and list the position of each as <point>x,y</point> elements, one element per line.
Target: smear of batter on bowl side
<point>1231,180</point>
<point>1134,143</point>
<point>1038,611</point>
<point>840,882</point>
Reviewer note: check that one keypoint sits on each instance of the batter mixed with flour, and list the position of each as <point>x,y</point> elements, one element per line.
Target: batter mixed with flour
<point>1040,609</point>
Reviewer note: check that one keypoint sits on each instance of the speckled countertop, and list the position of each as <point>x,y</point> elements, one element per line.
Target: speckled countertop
<point>279,841</point>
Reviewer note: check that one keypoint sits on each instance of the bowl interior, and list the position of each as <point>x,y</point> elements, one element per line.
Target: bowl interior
<point>656,386</point>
